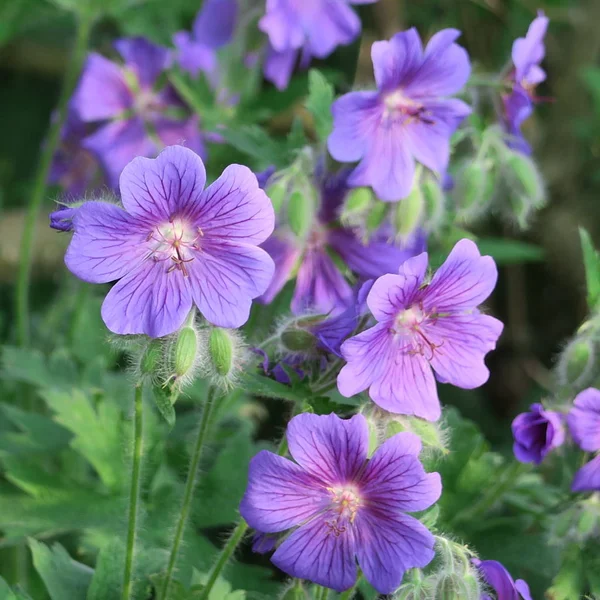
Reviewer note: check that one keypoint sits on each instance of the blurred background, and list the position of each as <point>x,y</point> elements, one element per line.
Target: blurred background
<point>541,300</point>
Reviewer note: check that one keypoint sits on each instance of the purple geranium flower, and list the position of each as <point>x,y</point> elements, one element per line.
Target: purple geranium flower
<point>131,113</point>
<point>422,326</point>
<point>499,579</point>
<point>339,507</point>
<point>584,425</point>
<point>310,28</point>
<point>537,433</point>
<point>409,116</point>
<point>527,54</point>
<point>213,28</point>
<point>320,285</point>
<point>174,244</point>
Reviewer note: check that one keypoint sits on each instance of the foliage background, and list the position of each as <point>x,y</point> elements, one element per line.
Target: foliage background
<point>62,465</point>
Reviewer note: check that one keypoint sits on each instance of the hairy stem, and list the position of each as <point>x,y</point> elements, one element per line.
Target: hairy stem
<point>134,495</point>
<point>188,493</point>
<point>84,25</point>
<point>323,593</point>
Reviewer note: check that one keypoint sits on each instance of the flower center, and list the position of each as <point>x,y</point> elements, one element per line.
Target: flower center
<point>176,241</point>
<point>146,104</point>
<point>397,105</point>
<point>407,325</point>
<point>346,502</point>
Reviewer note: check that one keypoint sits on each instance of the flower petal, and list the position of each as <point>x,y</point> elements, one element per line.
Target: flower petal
<point>587,479</point>
<point>319,285</point>
<point>235,208</point>
<point>463,282</point>
<point>193,56</point>
<point>280,494</point>
<point>355,117</point>
<point>155,189</point>
<point>224,279</point>
<point>461,343</point>
<point>395,481</point>
<point>393,293</point>
<point>173,132</point>
<point>279,66</point>
<point>285,254</point>
<point>498,578</point>
<point>396,61</point>
<point>336,25</point>
<point>331,449</point>
<point>215,23</point>
<point>523,589</point>
<point>445,69</point>
<point>102,92</point>
<point>388,545</point>
<point>116,144</point>
<point>106,244</point>
<point>315,553</point>
<point>145,59</point>
<point>529,51</point>
<point>149,300</point>
<point>584,420</point>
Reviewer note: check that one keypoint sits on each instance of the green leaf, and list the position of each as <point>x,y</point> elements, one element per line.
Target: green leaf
<point>257,143</point>
<point>6,593</point>
<point>259,385</point>
<point>319,101</point>
<point>108,577</point>
<point>162,400</point>
<point>64,578</point>
<point>26,365</point>
<point>591,262</point>
<point>569,582</point>
<point>221,589</point>
<point>98,432</point>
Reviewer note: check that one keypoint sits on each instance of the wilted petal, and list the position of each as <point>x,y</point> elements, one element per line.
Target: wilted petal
<point>149,300</point>
<point>331,449</point>
<point>225,277</point>
<point>584,420</point>
<point>397,60</point>
<point>102,92</point>
<point>156,189</point>
<point>313,552</point>
<point>116,144</point>
<point>461,343</point>
<point>463,282</point>
<point>390,544</point>
<point>587,479</point>
<point>234,208</point>
<point>395,480</point>
<point>280,494</point>
<point>145,59</point>
<point>106,244</point>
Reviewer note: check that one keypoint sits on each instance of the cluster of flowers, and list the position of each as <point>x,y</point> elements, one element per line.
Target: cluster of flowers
<point>541,431</point>
<point>174,245</point>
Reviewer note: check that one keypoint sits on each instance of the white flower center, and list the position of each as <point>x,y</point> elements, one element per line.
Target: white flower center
<point>346,502</point>
<point>175,241</point>
<point>399,106</point>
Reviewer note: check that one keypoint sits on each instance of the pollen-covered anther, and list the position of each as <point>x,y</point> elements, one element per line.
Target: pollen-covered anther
<point>176,240</point>
<point>346,501</point>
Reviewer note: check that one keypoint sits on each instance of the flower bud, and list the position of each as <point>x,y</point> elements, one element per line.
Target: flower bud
<point>358,202</point>
<point>298,340</point>
<point>300,213</point>
<point>475,189</point>
<point>221,351</point>
<point>528,192</point>
<point>277,192</point>
<point>431,434</point>
<point>185,351</point>
<point>225,356</point>
<point>376,215</point>
<point>434,201</point>
<point>151,357</point>
<point>576,365</point>
<point>414,587</point>
<point>409,212</point>
<point>454,586</point>
<point>295,591</point>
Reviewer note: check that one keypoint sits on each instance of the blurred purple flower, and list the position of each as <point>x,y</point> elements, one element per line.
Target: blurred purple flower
<point>320,285</point>
<point>305,28</point>
<point>499,579</point>
<point>341,506</point>
<point>537,433</point>
<point>527,54</point>
<point>174,244</point>
<point>423,326</point>
<point>134,118</point>
<point>584,425</point>
<point>408,118</point>
<point>212,29</point>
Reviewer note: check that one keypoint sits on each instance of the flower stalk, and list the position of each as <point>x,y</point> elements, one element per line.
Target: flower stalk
<point>83,28</point>
<point>134,495</point>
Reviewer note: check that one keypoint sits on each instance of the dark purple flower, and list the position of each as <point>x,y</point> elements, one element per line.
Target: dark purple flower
<point>212,29</point>
<point>527,54</point>
<point>408,118</point>
<point>499,579</point>
<point>73,168</point>
<point>537,433</point>
<point>134,118</point>
<point>320,284</point>
<point>174,244</point>
<point>340,507</point>
<point>584,425</point>
<point>422,326</point>
<point>309,28</point>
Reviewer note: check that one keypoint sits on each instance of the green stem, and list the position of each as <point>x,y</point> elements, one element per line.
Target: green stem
<point>476,81</point>
<point>236,537</point>
<point>188,493</point>
<point>134,495</point>
<point>22,290</point>
<point>349,594</point>
<point>324,594</point>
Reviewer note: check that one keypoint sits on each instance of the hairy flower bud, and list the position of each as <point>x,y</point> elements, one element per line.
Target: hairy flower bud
<point>474,190</point>
<point>300,213</point>
<point>277,192</point>
<point>414,587</point>
<point>409,212</point>
<point>528,190</point>
<point>221,351</point>
<point>151,357</point>
<point>453,586</point>
<point>182,356</point>
<point>576,365</point>
<point>225,356</point>
<point>295,591</point>
<point>431,433</point>
<point>434,200</point>
<point>185,351</point>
